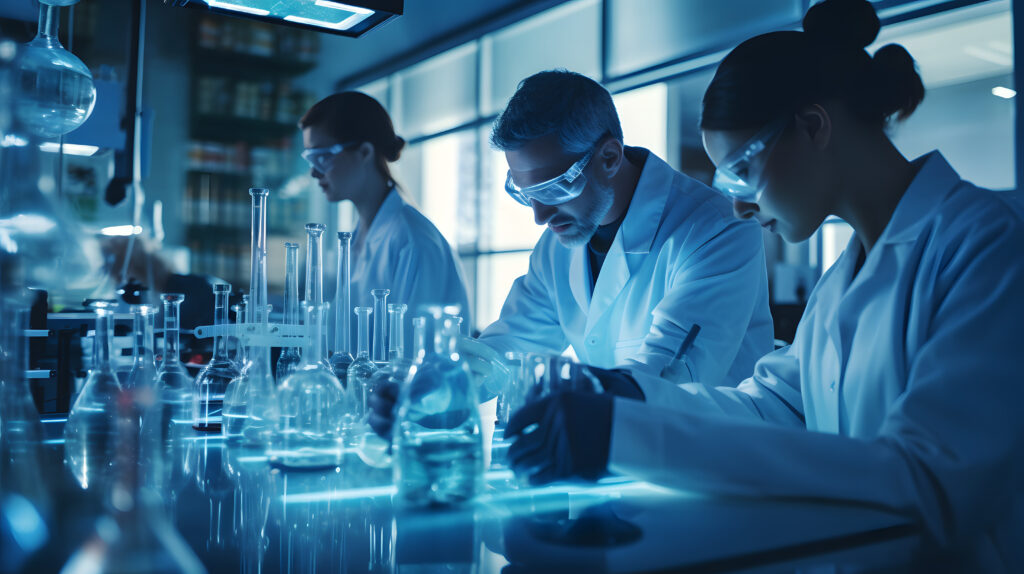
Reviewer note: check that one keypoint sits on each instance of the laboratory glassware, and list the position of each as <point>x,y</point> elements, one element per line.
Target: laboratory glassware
<point>134,536</point>
<point>289,358</point>
<point>312,402</point>
<point>236,349</point>
<point>260,395</point>
<point>92,423</point>
<point>315,277</point>
<point>438,439</point>
<point>142,376</point>
<point>212,381</point>
<point>341,358</point>
<point>55,89</point>
<point>168,423</point>
<point>362,368</point>
<point>374,449</point>
<point>380,323</point>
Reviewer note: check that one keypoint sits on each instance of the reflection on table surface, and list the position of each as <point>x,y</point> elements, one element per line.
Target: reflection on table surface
<point>239,514</point>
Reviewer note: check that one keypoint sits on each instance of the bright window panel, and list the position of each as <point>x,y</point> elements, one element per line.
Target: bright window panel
<point>567,36</point>
<point>495,275</point>
<point>506,224</point>
<point>437,94</point>
<point>448,185</point>
<point>643,114</point>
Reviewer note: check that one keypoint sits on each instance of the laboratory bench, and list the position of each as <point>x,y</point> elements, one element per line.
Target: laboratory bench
<point>238,514</point>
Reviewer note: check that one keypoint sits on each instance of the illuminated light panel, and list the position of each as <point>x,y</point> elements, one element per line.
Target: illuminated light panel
<point>343,25</point>
<point>346,7</point>
<point>69,149</point>
<point>121,230</point>
<point>1003,92</point>
<point>11,140</point>
<point>237,8</point>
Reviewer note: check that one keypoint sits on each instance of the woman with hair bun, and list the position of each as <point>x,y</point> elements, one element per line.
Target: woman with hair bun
<point>350,143</point>
<point>900,388</point>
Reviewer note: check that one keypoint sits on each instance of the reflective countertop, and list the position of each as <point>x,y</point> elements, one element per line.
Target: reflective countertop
<point>238,514</point>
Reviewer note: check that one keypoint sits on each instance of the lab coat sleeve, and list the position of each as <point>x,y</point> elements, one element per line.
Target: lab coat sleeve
<point>717,285</point>
<point>529,321</point>
<point>949,451</point>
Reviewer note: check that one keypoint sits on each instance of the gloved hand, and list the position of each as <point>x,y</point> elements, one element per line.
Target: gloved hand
<point>382,409</point>
<point>618,382</point>
<point>569,437</point>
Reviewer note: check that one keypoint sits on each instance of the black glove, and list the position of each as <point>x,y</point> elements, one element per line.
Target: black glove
<point>382,409</point>
<point>570,436</point>
<point>618,382</point>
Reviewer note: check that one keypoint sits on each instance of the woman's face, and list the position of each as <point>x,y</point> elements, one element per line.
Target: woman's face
<point>345,173</point>
<point>793,174</point>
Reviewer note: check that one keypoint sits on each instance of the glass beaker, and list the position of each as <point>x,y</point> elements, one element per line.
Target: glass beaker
<point>55,93</point>
<point>288,361</point>
<point>342,357</point>
<point>92,423</point>
<point>311,401</point>
<point>438,439</point>
<point>362,368</point>
<point>212,381</point>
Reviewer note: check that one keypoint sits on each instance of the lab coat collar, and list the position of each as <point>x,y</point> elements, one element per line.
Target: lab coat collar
<point>935,180</point>
<point>388,211</point>
<point>643,217</point>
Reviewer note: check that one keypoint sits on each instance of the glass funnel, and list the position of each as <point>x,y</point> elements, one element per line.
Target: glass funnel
<point>54,89</point>
<point>438,440</point>
<point>212,381</point>
<point>312,402</point>
<point>92,423</point>
<point>342,357</point>
<point>167,425</point>
<point>134,536</point>
<point>289,358</point>
<point>362,368</point>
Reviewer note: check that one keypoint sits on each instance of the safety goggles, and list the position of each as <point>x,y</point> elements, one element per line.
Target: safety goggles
<point>738,176</point>
<point>554,191</point>
<point>319,157</point>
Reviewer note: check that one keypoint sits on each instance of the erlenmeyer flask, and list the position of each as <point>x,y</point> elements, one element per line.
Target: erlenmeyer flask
<point>135,536</point>
<point>362,368</point>
<point>312,402</point>
<point>92,423</point>
<point>259,398</point>
<point>55,92</point>
<point>289,358</point>
<point>438,440</point>
<point>342,356</point>
<point>212,381</point>
<point>167,425</point>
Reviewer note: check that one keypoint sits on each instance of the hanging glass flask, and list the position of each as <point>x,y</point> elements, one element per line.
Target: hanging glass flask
<point>54,89</point>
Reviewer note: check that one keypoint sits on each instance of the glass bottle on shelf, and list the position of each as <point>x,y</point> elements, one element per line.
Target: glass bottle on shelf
<point>92,423</point>
<point>289,358</point>
<point>380,322</point>
<point>315,277</point>
<point>212,381</point>
<point>342,356</point>
<point>438,441</point>
<point>312,402</point>
<point>134,536</point>
<point>260,400</point>
<point>167,425</point>
<point>362,368</point>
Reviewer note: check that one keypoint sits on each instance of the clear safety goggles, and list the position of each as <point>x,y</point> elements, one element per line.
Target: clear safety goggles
<point>554,191</point>
<point>738,176</point>
<point>319,157</point>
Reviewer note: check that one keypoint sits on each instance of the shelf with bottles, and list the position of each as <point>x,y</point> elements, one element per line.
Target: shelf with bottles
<point>265,103</point>
<point>263,47</point>
<point>270,163</point>
<point>220,201</point>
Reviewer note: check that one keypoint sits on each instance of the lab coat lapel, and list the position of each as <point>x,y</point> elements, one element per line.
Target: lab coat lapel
<point>610,283</point>
<point>579,277</point>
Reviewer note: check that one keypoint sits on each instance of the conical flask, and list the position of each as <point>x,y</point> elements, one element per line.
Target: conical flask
<point>438,440</point>
<point>167,424</point>
<point>55,92</point>
<point>212,382</point>
<point>134,537</point>
<point>342,357</point>
<point>92,423</point>
<point>289,358</point>
<point>312,402</point>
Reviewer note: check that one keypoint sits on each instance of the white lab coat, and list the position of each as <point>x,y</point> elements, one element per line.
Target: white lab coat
<point>909,374</point>
<point>404,252</point>
<point>679,258</point>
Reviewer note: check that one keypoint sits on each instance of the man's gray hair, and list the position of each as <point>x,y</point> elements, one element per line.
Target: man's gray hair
<point>571,105</point>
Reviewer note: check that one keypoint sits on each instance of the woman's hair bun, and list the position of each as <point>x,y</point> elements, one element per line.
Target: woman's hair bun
<point>900,86</point>
<point>394,151</point>
<point>843,23</point>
